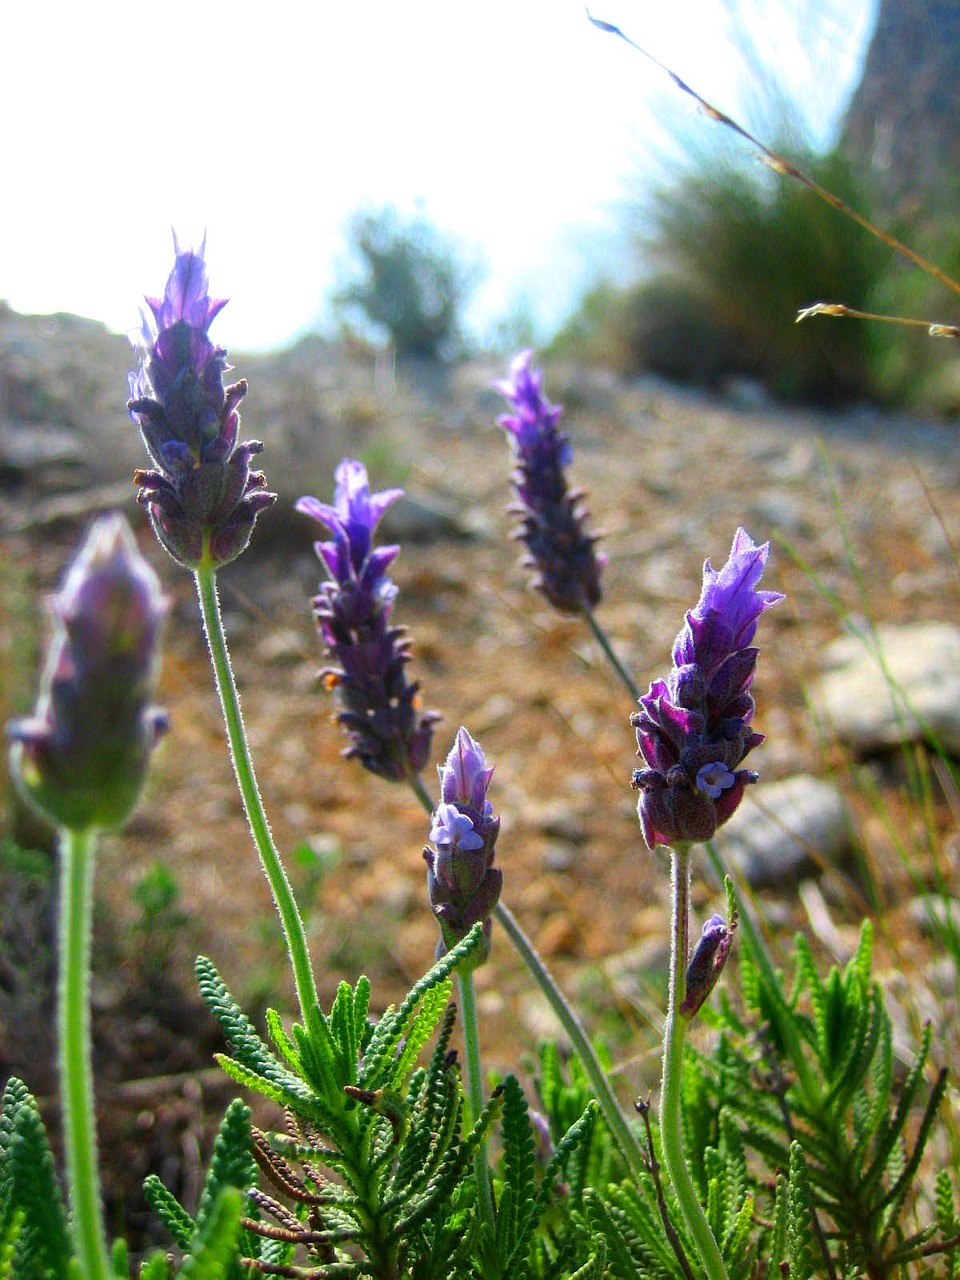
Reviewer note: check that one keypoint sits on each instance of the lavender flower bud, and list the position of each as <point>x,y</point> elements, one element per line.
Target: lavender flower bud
<point>706,963</point>
<point>379,706</point>
<point>463,884</point>
<point>552,517</point>
<point>202,497</point>
<point>693,729</point>
<point>81,759</point>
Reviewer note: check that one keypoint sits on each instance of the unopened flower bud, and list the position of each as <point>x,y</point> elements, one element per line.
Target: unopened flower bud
<point>81,759</point>
<point>463,884</point>
<point>706,963</point>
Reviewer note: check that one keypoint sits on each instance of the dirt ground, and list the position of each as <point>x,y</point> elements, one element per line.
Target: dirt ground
<point>867,505</point>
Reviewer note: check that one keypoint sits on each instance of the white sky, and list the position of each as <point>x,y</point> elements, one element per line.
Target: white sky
<point>516,123</point>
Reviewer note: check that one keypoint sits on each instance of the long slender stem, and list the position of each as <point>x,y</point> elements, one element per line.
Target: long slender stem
<point>671,1126</point>
<point>623,1135</point>
<point>250,793</point>
<point>603,640</point>
<point>471,1042</point>
<point>77,850</point>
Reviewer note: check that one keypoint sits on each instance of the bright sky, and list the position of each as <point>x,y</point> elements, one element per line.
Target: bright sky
<point>517,124</point>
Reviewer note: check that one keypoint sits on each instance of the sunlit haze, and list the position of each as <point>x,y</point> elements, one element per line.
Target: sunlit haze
<point>518,127</point>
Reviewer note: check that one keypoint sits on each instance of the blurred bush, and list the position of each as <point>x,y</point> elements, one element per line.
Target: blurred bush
<point>411,283</point>
<point>738,251</point>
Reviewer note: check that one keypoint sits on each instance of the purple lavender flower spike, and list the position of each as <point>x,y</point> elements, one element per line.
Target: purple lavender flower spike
<point>552,518</point>
<point>693,729</point>
<point>81,759</point>
<point>202,496</point>
<point>379,706</point>
<point>463,883</point>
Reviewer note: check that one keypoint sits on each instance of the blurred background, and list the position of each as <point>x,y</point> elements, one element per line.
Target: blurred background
<point>396,198</point>
<point>564,187</point>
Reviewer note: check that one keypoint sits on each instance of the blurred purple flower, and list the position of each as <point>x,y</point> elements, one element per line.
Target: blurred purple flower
<point>551,516</point>
<point>82,757</point>
<point>202,496</point>
<point>463,884</point>
<point>693,729</point>
<point>379,707</point>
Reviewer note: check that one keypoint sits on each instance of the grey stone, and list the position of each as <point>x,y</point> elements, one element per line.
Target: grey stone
<point>914,693</point>
<point>935,914</point>
<point>802,822</point>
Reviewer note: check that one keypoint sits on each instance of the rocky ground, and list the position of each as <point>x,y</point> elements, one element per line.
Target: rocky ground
<point>862,508</point>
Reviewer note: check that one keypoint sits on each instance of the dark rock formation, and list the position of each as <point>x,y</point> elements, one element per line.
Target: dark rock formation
<point>904,119</point>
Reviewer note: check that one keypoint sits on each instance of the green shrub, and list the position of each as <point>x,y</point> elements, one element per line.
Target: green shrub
<point>756,249</point>
<point>411,283</point>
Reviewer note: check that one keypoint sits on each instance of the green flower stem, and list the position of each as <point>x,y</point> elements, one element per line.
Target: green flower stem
<point>471,1042</point>
<point>671,1124</point>
<point>603,640</point>
<point>77,850</point>
<point>253,805</point>
<point>623,1135</point>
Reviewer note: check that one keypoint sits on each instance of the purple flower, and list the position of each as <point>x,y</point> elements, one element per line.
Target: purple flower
<point>706,963</point>
<point>82,757</point>
<point>693,729</point>
<point>379,706</point>
<point>463,883</point>
<point>202,496</point>
<point>551,516</point>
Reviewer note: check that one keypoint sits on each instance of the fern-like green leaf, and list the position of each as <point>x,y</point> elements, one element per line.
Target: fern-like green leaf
<point>893,1131</point>
<point>215,1252</point>
<point>169,1210</point>
<point>42,1246</point>
<point>801,1243</point>
<point>282,1042</point>
<point>517,1169</point>
<point>232,1163</point>
<point>392,1027</point>
<point>249,1050</point>
<point>299,1097</point>
<point>156,1267</point>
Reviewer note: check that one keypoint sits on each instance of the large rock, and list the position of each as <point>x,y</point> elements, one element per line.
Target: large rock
<point>793,828</point>
<point>893,685</point>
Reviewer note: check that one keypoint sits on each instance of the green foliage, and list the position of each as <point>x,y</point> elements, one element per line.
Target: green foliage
<point>411,283</point>
<point>756,249</point>
<point>373,1173</point>
<point>805,1080</point>
<point>34,1243</point>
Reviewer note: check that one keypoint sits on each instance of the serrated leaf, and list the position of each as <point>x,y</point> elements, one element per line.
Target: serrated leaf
<point>216,1247</point>
<point>169,1210</point>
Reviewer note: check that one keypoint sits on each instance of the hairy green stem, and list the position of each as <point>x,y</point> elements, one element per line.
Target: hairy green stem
<point>77,851</point>
<point>471,1042</point>
<point>671,1123</point>
<point>623,1135</point>
<point>286,904</point>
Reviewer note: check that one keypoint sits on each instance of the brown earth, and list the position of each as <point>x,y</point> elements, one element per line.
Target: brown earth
<point>867,504</point>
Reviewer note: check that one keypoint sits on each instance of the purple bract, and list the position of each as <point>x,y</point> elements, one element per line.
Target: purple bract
<point>552,518</point>
<point>693,729</point>
<point>380,711</point>
<point>202,496</point>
